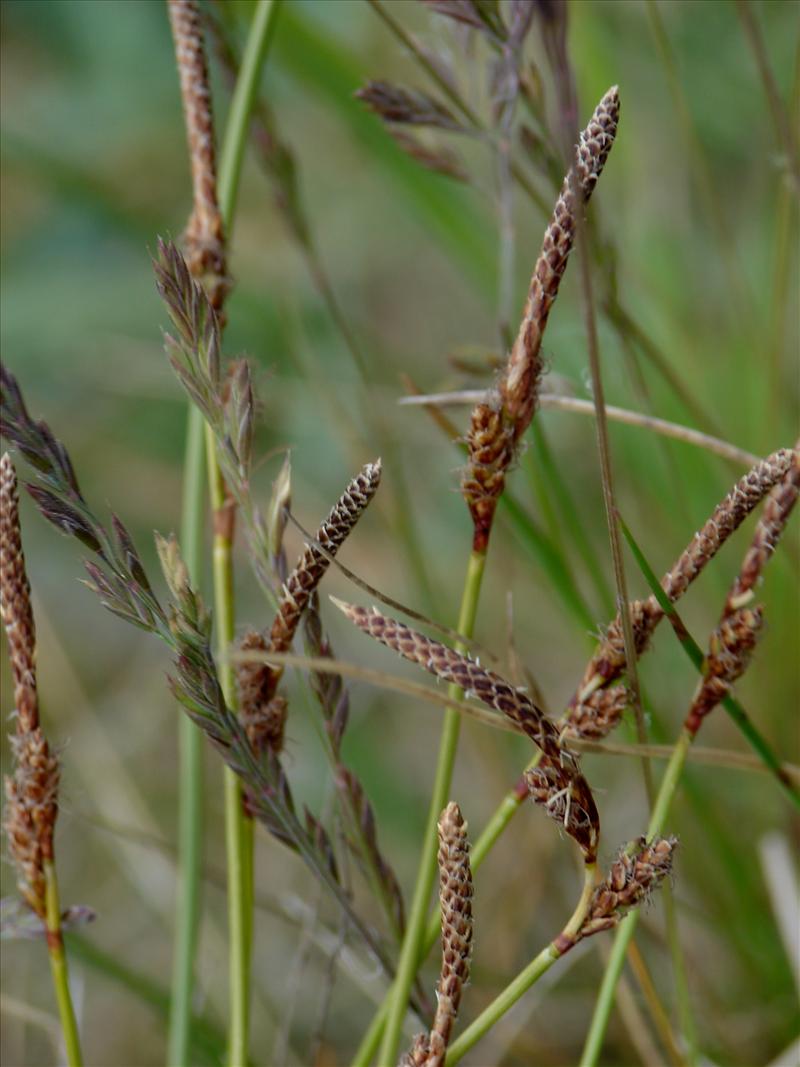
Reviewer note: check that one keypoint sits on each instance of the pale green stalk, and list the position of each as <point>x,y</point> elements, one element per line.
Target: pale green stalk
<point>238,840</point>
<point>526,978</point>
<point>415,930</point>
<point>625,931</point>
<point>190,789</point>
<point>59,969</point>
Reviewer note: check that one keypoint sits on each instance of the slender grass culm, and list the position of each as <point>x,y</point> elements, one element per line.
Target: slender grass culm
<point>308,303</point>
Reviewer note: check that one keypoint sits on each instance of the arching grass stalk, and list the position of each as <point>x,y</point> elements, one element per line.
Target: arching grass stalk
<point>525,979</point>
<point>412,947</point>
<point>239,837</point>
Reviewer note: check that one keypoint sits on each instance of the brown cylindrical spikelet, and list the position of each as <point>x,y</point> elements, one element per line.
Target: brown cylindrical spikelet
<point>31,791</point>
<point>561,788</point>
<point>777,509</point>
<point>519,387</point>
<point>730,648</point>
<point>16,603</point>
<point>633,876</point>
<point>734,639</point>
<point>497,426</point>
<point>728,517</point>
<point>608,662</point>
<point>262,712</point>
<point>455,900</point>
<point>311,566</point>
<point>205,242</point>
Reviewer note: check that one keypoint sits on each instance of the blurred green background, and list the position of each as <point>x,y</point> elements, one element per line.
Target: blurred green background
<point>702,219</point>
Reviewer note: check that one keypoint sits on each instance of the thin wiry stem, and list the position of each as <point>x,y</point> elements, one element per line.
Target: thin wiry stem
<point>784,131</point>
<point>556,402</point>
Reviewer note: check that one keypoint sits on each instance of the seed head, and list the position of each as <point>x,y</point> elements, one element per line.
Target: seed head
<point>634,875</point>
<point>559,785</point>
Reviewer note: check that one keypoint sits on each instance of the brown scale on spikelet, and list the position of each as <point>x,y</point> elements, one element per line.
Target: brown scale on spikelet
<point>633,876</point>
<point>559,785</point>
<point>262,712</point>
<point>204,237</point>
<point>417,1055</point>
<point>498,426</point>
<point>608,662</point>
<point>455,900</point>
<point>32,789</point>
<point>732,643</point>
<point>491,451</point>
<point>595,717</point>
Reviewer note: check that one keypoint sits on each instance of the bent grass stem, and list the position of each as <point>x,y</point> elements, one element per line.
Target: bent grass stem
<point>526,978</point>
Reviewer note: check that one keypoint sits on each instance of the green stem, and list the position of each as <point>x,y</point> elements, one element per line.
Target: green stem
<point>526,978</point>
<point>415,931</point>
<point>502,816</point>
<point>58,967</point>
<point>235,138</point>
<point>190,795</point>
<point>239,838</point>
<point>625,931</point>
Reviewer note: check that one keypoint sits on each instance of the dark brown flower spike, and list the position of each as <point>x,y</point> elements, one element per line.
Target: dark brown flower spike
<point>204,237</point>
<point>636,873</point>
<point>455,902</point>
<point>32,788</point>
<point>734,639</point>
<point>588,709</point>
<point>303,580</point>
<point>499,422</point>
<point>557,783</point>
